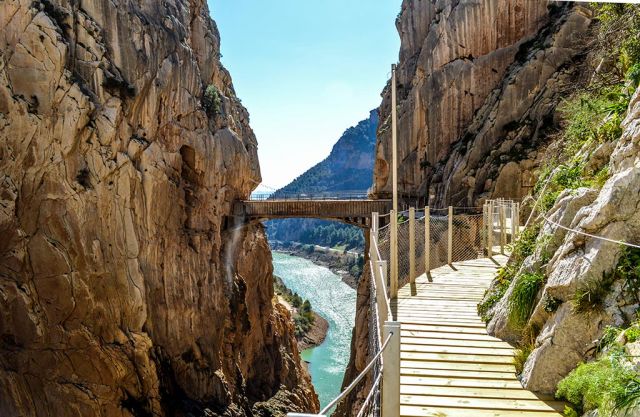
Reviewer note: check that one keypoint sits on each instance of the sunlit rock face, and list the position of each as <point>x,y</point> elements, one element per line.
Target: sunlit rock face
<point>123,291</point>
<point>568,337</point>
<point>478,82</point>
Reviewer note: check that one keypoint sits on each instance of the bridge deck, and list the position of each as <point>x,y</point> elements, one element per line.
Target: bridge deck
<point>450,367</point>
<point>355,211</point>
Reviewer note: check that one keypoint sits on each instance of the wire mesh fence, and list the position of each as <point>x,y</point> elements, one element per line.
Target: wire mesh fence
<point>444,236</point>
<point>371,404</point>
<point>467,232</point>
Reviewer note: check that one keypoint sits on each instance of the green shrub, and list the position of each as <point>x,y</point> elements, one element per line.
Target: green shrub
<point>632,334</point>
<point>604,384</point>
<point>609,335</point>
<point>570,412</point>
<point>491,298</point>
<point>520,250</point>
<point>600,177</point>
<point>630,399</point>
<point>296,300</point>
<point>634,75</point>
<point>525,245</point>
<point>628,269</point>
<point>550,304</point>
<point>211,100</point>
<point>522,298</point>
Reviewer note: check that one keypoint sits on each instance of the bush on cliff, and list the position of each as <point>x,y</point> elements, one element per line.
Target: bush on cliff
<point>520,250</point>
<point>523,297</point>
<point>211,100</point>
<point>606,384</point>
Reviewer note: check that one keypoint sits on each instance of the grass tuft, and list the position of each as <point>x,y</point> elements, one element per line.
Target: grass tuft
<point>522,298</point>
<point>520,357</point>
<point>604,384</point>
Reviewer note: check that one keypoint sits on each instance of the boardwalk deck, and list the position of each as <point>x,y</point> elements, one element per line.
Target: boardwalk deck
<point>450,367</point>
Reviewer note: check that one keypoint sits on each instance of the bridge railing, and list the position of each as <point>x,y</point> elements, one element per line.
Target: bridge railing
<point>313,195</point>
<point>425,239</point>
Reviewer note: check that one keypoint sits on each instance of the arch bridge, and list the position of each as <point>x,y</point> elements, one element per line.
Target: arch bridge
<point>350,208</point>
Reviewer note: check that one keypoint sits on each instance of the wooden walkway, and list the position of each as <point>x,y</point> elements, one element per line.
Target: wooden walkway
<point>450,367</point>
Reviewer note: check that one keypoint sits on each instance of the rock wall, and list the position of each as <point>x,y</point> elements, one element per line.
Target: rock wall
<point>574,262</point>
<point>123,290</point>
<point>477,86</point>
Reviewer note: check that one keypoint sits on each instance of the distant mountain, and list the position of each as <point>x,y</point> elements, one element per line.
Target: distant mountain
<point>349,167</point>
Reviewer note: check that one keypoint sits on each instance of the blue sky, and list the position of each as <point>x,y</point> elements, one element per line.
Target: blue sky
<point>306,71</point>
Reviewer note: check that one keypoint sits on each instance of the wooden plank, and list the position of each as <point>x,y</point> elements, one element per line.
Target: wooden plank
<point>455,342</point>
<point>475,392</point>
<point>452,373</point>
<point>444,328</point>
<point>440,322</point>
<point>460,382</point>
<point>449,365</point>
<point>480,351</point>
<point>473,368</point>
<point>482,403</point>
<point>446,335</point>
<point>418,411</point>
<point>456,357</point>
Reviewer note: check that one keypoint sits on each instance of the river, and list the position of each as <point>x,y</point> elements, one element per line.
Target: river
<point>336,302</point>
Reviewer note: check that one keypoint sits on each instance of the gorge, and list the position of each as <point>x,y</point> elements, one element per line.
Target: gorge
<point>129,287</point>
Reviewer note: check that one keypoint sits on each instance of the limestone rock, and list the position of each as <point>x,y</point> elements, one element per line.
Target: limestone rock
<point>478,86</point>
<point>123,290</point>
<point>577,261</point>
<point>565,340</point>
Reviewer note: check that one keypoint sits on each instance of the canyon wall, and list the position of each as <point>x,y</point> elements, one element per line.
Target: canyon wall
<point>478,83</point>
<point>478,86</point>
<point>124,290</point>
<point>479,91</point>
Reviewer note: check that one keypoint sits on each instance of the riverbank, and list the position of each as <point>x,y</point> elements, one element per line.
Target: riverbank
<point>311,327</point>
<point>339,262</point>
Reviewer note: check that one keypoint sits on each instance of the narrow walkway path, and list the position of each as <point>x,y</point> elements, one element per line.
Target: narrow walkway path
<point>450,367</point>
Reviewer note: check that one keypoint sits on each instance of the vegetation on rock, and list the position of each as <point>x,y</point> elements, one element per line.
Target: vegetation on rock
<point>520,250</point>
<point>611,383</point>
<point>592,115</point>
<point>523,297</point>
<point>211,100</point>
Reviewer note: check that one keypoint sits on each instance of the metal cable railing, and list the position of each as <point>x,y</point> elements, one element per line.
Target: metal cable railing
<point>310,195</point>
<point>359,378</point>
<point>619,242</point>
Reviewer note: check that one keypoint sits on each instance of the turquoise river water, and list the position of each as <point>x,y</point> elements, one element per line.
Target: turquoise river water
<point>335,301</point>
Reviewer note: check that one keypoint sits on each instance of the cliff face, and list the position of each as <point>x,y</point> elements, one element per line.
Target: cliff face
<point>478,86</point>
<point>478,83</point>
<point>123,290</point>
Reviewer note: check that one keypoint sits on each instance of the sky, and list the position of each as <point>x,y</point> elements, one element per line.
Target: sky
<point>306,71</point>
